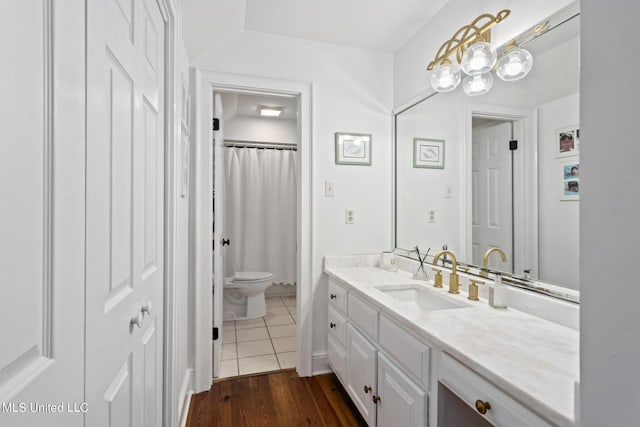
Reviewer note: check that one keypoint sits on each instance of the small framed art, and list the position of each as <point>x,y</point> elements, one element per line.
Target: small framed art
<point>428,153</point>
<point>568,141</point>
<point>353,149</point>
<point>570,181</point>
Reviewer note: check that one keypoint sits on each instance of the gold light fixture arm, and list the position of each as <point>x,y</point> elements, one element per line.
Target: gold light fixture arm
<point>467,35</point>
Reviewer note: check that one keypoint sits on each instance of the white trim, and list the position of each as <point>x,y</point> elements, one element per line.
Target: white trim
<point>204,83</point>
<point>172,161</point>
<point>184,398</point>
<point>525,203</point>
<point>321,364</point>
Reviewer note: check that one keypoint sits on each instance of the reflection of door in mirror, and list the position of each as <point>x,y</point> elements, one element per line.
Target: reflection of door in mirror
<point>492,194</point>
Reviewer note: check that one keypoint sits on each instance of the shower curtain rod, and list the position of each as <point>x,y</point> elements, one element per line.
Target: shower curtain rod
<point>259,144</point>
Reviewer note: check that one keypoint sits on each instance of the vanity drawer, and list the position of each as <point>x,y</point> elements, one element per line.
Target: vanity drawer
<point>337,296</point>
<point>470,387</point>
<point>337,326</point>
<point>363,315</point>
<point>413,355</point>
<point>337,357</point>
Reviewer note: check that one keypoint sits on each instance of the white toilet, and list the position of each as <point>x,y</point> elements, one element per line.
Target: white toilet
<point>244,295</point>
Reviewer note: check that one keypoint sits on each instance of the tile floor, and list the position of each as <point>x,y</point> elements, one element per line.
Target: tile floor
<point>261,345</point>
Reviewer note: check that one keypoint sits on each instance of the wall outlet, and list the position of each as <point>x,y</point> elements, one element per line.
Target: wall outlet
<point>349,216</point>
<point>329,189</point>
<point>431,216</point>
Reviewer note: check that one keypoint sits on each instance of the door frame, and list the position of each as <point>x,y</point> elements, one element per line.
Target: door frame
<point>525,179</point>
<point>204,83</point>
<point>172,167</point>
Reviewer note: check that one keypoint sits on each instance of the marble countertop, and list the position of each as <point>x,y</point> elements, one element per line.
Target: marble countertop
<point>533,360</point>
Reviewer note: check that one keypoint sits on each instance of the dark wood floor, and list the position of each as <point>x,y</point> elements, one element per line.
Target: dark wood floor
<point>279,399</point>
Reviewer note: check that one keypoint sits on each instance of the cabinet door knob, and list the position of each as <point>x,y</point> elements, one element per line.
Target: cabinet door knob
<point>333,296</point>
<point>376,399</point>
<point>136,320</point>
<point>482,407</point>
<point>332,325</point>
<point>367,389</point>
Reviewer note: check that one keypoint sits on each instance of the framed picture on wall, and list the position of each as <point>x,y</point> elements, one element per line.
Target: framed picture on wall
<point>353,149</point>
<point>570,181</point>
<point>428,153</point>
<point>568,141</point>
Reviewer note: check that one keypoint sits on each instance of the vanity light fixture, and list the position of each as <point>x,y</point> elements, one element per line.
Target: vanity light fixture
<point>270,111</point>
<point>476,56</point>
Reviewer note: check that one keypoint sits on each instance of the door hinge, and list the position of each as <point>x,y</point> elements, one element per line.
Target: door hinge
<point>216,124</point>
<point>215,334</point>
<point>513,145</point>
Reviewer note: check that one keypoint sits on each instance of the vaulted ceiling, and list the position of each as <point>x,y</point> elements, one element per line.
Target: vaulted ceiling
<point>372,24</point>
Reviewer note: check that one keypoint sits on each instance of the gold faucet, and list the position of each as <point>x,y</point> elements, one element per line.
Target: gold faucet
<point>485,270</point>
<point>453,277</point>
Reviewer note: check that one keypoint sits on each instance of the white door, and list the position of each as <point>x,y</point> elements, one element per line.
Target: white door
<point>218,235</point>
<point>361,374</point>
<point>124,213</point>
<point>42,214</point>
<point>402,402</point>
<point>492,194</point>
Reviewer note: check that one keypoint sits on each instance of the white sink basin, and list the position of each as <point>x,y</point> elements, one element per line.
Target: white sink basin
<point>416,299</point>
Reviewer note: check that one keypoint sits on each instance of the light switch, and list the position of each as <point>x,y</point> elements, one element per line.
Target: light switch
<point>431,216</point>
<point>329,189</point>
<point>448,191</point>
<point>349,216</point>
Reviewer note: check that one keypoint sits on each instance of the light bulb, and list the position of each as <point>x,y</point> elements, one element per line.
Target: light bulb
<point>446,77</point>
<point>477,85</point>
<point>514,65</point>
<point>478,59</point>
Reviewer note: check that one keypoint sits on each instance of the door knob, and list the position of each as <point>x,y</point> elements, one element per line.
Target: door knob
<point>376,399</point>
<point>367,389</point>
<point>136,320</point>
<point>146,309</point>
<point>333,296</point>
<point>332,325</point>
<point>225,242</point>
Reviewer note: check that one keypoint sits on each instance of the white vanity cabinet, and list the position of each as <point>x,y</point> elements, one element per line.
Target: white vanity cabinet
<point>387,386</point>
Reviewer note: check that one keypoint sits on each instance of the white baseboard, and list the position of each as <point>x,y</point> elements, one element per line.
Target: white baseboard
<point>184,399</point>
<point>320,364</point>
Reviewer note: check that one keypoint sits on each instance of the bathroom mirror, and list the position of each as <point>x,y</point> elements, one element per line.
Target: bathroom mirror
<point>527,203</point>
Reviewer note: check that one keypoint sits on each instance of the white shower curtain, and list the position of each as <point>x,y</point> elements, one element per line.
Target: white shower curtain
<point>260,212</point>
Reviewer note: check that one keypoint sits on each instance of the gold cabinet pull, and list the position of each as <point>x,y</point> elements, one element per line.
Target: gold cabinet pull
<point>482,407</point>
<point>333,296</point>
<point>375,399</point>
<point>367,389</point>
<point>332,325</point>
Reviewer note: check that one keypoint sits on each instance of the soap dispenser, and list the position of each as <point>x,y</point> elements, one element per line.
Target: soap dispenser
<point>498,293</point>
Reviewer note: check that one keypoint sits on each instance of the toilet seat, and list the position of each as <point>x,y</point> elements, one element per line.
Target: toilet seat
<point>251,276</point>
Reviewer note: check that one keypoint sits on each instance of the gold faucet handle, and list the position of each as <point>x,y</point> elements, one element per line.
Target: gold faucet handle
<point>463,268</point>
<point>473,289</point>
<point>437,280</point>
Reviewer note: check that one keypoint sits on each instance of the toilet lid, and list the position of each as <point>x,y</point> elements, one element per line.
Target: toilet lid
<point>249,276</point>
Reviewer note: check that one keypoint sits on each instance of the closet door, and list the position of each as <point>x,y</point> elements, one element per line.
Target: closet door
<point>124,208</point>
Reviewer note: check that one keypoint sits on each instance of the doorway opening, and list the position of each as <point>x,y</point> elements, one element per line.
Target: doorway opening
<point>258,140</point>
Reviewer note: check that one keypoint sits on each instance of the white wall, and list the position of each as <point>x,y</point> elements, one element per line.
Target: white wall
<point>424,189</point>
<point>609,226</point>
<point>261,129</point>
<point>558,232</point>
<point>410,61</point>
<point>352,92</point>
